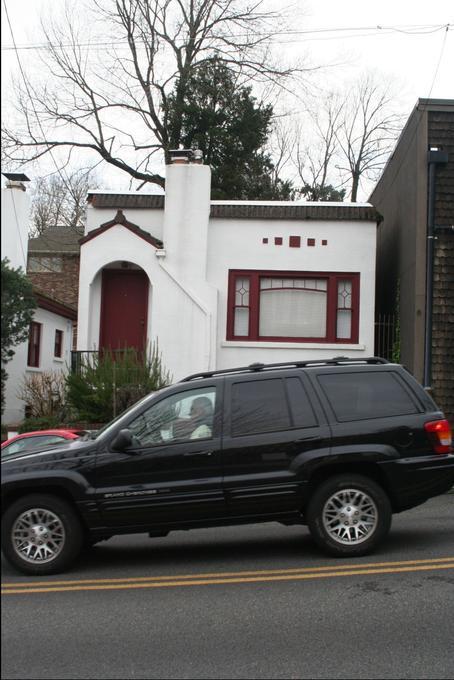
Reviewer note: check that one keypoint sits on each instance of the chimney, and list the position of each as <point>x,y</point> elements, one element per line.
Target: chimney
<point>15,217</point>
<point>185,156</point>
<point>15,180</point>
<point>187,212</point>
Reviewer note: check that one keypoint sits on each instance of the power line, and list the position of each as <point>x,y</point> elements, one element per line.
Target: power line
<point>410,29</point>
<point>418,123</point>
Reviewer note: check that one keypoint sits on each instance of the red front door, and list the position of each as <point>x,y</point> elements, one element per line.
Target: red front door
<point>124,303</point>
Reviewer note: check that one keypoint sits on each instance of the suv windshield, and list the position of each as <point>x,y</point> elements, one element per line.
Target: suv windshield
<point>106,429</point>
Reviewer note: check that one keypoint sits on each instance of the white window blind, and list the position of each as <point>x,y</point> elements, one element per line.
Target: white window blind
<point>293,312</point>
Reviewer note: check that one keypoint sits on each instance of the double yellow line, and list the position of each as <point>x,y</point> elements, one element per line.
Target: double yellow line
<point>221,578</point>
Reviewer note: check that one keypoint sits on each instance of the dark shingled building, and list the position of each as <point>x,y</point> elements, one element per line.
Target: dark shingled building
<point>402,196</point>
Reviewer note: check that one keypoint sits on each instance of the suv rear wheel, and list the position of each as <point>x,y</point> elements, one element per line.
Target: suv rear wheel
<point>41,534</point>
<point>348,515</point>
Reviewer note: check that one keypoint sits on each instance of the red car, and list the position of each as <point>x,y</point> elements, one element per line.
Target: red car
<point>34,440</point>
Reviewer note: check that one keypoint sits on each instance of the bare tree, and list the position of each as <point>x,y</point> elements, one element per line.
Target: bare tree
<point>314,161</point>
<point>60,200</point>
<point>369,129</point>
<point>348,139</point>
<point>115,103</point>
<point>281,145</point>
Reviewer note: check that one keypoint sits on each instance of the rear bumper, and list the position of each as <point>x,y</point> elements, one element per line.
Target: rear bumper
<point>411,481</point>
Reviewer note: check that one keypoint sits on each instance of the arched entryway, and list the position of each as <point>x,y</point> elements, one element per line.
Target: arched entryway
<point>124,307</point>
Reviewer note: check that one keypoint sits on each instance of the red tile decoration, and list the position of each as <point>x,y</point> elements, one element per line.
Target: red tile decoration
<point>278,240</point>
<point>294,241</point>
<point>324,242</point>
<point>311,241</point>
<point>264,240</point>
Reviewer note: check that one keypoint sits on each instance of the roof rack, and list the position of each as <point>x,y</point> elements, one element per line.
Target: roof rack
<point>255,368</point>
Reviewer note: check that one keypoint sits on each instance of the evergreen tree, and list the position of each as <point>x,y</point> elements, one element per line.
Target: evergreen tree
<point>231,128</point>
<point>316,192</point>
<point>18,305</point>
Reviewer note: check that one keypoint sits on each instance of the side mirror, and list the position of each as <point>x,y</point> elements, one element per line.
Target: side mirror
<point>122,441</point>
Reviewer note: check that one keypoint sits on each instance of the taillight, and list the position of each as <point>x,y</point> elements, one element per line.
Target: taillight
<point>440,435</point>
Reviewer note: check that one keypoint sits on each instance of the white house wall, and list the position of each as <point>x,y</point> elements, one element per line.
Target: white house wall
<point>17,368</point>
<point>15,213</point>
<point>189,321</point>
<point>150,221</point>
<point>178,318</point>
<point>238,244</point>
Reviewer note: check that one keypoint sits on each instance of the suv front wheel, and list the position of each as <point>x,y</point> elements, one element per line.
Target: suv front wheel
<point>348,515</point>
<point>41,534</point>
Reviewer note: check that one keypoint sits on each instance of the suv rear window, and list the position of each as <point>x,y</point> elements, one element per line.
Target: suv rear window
<point>360,396</point>
<point>300,406</point>
<point>259,406</point>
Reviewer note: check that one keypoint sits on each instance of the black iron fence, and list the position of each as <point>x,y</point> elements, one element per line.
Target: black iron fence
<point>386,337</point>
<point>385,344</point>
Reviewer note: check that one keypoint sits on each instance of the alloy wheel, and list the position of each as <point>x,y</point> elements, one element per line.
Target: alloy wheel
<point>350,516</point>
<point>38,535</point>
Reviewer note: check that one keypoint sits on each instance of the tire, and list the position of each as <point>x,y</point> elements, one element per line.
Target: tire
<point>41,534</point>
<point>349,515</point>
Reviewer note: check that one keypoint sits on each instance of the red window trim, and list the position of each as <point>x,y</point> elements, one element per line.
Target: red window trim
<point>58,344</point>
<point>34,349</point>
<point>254,295</point>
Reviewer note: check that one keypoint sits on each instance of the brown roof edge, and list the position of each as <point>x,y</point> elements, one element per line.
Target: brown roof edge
<point>244,211</point>
<point>53,305</point>
<point>121,219</point>
<point>153,201</point>
<point>348,212</point>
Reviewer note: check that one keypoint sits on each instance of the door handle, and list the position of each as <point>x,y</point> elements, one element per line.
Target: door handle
<point>307,439</point>
<point>198,453</point>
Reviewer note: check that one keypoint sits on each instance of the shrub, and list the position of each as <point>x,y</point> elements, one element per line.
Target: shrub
<point>106,383</point>
<point>45,423</point>
<point>44,395</point>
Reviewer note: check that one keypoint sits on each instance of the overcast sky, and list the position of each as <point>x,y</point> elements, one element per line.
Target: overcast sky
<point>411,47</point>
<point>412,57</point>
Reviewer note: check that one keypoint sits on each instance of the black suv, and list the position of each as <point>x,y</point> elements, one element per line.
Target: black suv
<point>336,444</point>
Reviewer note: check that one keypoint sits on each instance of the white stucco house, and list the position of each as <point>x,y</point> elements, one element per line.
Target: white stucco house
<point>225,283</point>
<point>50,338</point>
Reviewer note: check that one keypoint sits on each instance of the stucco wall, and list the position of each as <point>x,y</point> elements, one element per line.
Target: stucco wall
<point>188,316</point>
<point>15,209</point>
<point>238,244</point>
<point>179,318</point>
<point>148,220</point>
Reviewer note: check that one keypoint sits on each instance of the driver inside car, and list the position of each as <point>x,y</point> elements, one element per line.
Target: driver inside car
<point>201,418</point>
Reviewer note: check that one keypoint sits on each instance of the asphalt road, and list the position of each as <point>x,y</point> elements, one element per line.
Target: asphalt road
<point>241,602</point>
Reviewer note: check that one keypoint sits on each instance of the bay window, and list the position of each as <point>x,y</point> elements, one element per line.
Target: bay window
<point>293,306</point>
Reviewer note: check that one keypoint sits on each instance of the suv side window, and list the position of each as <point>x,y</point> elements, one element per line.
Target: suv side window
<point>302,412</point>
<point>360,396</point>
<point>182,416</point>
<point>259,406</point>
